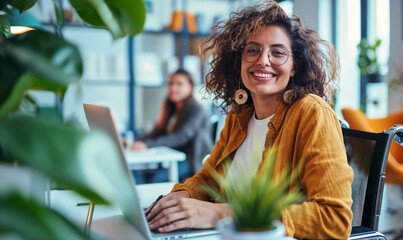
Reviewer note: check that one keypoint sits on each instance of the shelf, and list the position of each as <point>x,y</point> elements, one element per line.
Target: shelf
<point>117,83</point>
<point>101,82</point>
<point>175,33</point>
<point>81,25</point>
<point>70,24</point>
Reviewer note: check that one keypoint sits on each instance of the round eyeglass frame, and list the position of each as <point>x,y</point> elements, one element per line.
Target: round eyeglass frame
<point>260,54</point>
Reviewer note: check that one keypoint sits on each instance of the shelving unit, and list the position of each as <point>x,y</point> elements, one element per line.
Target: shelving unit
<point>98,49</point>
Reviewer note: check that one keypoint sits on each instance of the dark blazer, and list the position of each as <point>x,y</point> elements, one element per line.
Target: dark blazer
<point>192,135</point>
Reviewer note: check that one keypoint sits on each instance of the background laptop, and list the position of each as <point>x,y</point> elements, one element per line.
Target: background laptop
<point>100,118</point>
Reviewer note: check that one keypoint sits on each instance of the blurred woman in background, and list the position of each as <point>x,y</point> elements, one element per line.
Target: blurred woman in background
<point>183,125</point>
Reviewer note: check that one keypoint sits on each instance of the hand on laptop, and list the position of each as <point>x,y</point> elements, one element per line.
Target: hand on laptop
<point>180,211</point>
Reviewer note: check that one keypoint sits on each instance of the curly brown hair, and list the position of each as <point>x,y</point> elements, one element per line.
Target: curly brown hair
<point>316,63</point>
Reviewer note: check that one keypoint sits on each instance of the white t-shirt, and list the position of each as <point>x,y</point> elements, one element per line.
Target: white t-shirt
<point>250,152</point>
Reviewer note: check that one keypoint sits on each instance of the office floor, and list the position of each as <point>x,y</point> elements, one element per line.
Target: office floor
<point>391,220</point>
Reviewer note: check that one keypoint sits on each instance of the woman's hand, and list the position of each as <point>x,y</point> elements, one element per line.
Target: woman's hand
<point>180,211</point>
<point>138,145</point>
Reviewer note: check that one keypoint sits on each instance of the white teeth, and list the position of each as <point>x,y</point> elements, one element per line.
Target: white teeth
<point>264,75</point>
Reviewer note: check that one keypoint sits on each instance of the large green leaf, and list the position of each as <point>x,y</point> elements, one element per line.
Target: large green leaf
<point>47,55</point>
<point>3,4</point>
<point>87,163</point>
<point>4,27</point>
<point>88,12</point>
<point>22,5</point>
<point>8,11</point>
<point>120,17</point>
<point>31,220</point>
<point>10,71</point>
<point>18,90</point>
<point>49,63</point>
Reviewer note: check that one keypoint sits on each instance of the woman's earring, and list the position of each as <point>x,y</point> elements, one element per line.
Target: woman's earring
<point>241,96</point>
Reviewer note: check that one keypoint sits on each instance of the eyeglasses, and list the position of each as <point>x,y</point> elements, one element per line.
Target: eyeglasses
<point>278,54</point>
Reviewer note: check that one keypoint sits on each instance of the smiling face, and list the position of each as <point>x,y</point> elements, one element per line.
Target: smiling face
<point>179,88</point>
<point>262,78</point>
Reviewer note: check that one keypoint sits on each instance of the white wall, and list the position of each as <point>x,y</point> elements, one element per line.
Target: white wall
<point>316,15</point>
<point>396,55</point>
<point>347,37</point>
<point>308,10</point>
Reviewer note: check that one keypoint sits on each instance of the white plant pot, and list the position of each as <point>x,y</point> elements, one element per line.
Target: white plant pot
<point>226,228</point>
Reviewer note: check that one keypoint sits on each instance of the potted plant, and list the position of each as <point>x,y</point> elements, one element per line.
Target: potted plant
<point>47,146</point>
<point>257,202</point>
<point>368,61</point>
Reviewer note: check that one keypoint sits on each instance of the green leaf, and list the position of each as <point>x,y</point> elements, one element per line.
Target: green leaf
<point>28,81</point>
<point>3,4</point>
<point>17,91</point>
<point>8,11</point>
<point>22,5</point>
<point>49,63</point>
<point>377,43</point>
<point>120,17</point>
<point>46,55</point>
<point>59,14</point>
<point>10,71</point>
<point>87,163</point>
<point>31,220</point>
<point>86,10</point>
<point>5,31</point>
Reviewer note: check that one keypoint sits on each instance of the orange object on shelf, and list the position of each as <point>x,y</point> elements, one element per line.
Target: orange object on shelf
<point>358,120</point>
<point>178,20</point>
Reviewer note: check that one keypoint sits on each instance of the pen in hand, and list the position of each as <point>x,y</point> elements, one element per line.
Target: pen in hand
<point>159,198</point>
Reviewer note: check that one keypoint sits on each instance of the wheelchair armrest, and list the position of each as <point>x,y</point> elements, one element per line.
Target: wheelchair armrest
<point>397,133</point>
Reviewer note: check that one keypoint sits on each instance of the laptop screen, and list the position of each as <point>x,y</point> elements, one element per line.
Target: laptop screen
<point>101,119</point>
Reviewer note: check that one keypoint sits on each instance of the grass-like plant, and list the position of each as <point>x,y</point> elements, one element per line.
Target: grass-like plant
<point>256,201</point>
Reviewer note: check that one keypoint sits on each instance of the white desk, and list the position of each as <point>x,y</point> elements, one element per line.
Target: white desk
<point>108,221</point>
<point>164,155</point>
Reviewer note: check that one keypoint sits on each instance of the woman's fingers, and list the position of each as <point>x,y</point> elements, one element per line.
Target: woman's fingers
<point>187,213</point>
<point>165,213</point>
<point>171,219</point>
<point>166,202</point>
<point>181,224</point>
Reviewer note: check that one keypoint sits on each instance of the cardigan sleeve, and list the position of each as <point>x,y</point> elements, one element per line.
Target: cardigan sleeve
<point>326,179</point>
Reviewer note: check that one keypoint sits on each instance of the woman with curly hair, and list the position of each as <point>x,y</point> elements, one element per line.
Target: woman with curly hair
<point>276,79</point>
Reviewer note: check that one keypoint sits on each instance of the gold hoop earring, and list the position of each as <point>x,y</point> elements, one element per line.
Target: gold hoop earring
<point>241,96</point>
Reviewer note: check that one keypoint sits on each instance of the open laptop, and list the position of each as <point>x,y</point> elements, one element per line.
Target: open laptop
<point>100,118</point>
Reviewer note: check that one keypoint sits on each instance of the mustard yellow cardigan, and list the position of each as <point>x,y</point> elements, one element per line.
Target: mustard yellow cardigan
<point>308,130</point>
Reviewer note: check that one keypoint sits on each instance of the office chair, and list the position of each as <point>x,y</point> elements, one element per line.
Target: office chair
<point>358,120</point>
<point>367,154</point>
